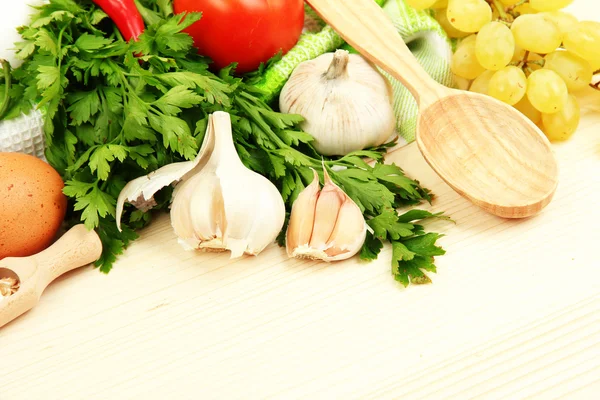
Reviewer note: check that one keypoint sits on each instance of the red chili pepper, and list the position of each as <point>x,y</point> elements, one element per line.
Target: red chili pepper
<point>125,15</point>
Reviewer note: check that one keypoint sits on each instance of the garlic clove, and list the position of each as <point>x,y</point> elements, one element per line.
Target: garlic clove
<point>268,221</point>
<point>338,226</point>
<point>196,217</point>
<point>326,214</point>
<point>302,216</point>
<point>140,192</point>
<point>181,217</point>
<point>349,233</point>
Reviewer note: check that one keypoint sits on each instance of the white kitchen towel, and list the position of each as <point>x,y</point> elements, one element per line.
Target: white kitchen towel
<point>24,134</point>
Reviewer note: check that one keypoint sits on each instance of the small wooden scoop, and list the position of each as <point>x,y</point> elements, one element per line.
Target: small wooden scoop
<point>74,249</point>
<point>484,149</point>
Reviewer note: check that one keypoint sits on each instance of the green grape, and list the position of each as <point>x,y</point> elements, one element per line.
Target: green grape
<point>534,33</point>
<point>464,61</point>
<point>420,4</point>
<point>482,82</point>
<point>547,91</point>
<point>440,4</point>
<point>469,15</point>
<point>528,110</point>
<point>564,21</point>
<point>495,46</point>
<point>471,39</point>
<point>549,5</point>
<point>574,70</point>
<point>562,124</point>
<point>584,40</point>
<point>508,85</point>
<point>451,31</point>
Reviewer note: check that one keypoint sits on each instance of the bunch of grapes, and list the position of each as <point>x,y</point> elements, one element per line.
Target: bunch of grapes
<point>526,53</point>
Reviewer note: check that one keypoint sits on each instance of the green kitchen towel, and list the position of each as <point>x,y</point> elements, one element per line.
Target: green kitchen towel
<point>424,36</point>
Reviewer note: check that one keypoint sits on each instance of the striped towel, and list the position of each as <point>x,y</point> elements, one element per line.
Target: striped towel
<point>421,32</point>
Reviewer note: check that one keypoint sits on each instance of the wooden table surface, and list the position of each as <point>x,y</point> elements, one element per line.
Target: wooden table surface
<point>513,312</point>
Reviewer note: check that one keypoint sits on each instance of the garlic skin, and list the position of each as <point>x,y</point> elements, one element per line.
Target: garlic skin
<point>140,192</point>
<point>218,204</point>
<point>346,103</point>
<point>325,224</point>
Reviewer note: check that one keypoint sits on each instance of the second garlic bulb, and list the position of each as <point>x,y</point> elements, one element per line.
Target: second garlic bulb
<point>346,103</point>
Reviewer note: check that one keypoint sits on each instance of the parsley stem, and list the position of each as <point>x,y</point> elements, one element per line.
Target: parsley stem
<point>110,168</point>
<point>59,47</point>
<point>7,86</point>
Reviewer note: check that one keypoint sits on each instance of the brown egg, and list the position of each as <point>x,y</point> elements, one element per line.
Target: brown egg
<point>32,205</point>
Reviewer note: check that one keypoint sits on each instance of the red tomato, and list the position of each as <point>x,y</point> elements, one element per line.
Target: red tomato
<point>244,31</point>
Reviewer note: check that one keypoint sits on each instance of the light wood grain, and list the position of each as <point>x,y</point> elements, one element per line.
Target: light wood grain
<point>513,312</point>
<point>484,149</point>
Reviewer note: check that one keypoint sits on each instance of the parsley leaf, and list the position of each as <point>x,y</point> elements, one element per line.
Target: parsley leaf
<point>388,225</point>
<point>413,250</point>
<point>103,155</point>
<point>95,204</point>
<point>83,105</point>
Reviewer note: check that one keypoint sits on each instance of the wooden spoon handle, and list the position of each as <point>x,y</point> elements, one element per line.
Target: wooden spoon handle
<point>76,248</point>
<point>365,26</point>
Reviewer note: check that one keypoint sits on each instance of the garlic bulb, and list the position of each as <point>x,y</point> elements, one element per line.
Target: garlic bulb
<point>218,203</point>
<point>325,224</point>
<point>346,103</point>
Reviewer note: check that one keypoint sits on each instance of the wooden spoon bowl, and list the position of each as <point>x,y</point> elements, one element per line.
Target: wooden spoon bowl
<point>484,149</point>
<point>489,153</point>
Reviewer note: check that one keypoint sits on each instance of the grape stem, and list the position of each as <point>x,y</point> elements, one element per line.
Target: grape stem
<point>509,9</point>
<point>523,62</point>
<point>538,62</point>
<point>501,11</point>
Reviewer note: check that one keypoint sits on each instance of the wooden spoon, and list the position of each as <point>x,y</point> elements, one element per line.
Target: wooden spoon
<point>74,249</point>
<point>484,149</point>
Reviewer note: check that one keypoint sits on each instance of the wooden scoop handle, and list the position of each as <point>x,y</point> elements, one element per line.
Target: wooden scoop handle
<point>74,249</point>
<point>365,26</point>
<point>78,247</point>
